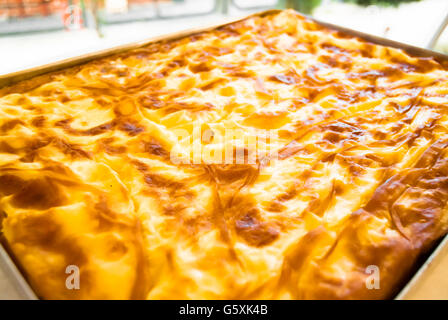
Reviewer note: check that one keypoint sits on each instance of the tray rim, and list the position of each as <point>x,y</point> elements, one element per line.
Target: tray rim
<point>15,277</point>
<point>10,79</point>
<point>425,268</point>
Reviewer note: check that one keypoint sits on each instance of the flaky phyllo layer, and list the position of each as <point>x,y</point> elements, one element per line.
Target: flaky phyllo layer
<point>355,177</point>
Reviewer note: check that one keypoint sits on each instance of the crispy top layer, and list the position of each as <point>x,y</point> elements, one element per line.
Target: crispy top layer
<point>359,131</point>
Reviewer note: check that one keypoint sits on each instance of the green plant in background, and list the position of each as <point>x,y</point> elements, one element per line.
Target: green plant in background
<point>380,2</point>
<point>304,6</point>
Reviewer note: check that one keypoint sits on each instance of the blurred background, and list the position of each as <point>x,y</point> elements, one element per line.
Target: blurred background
<point>35,32</point>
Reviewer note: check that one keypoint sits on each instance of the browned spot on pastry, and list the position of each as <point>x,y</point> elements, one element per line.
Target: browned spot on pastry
<point>155,148</point>
<point>131,128</point>
<point>106,145</point>
<point>38,194</point>
<point>10,184</point>
<point>65,124</point>
<point>229,173</point>
<point>283,79</point>
<point>201,67</point>
<point>38,121</point>
<point>10,124</point>
<point>213,84</point>
<point>73,150</point>
<point>159,181</point>
<point>255,232</point>
<point>151,102</point>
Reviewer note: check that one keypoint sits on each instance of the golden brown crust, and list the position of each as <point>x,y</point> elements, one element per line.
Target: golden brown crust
<point>360,180</point>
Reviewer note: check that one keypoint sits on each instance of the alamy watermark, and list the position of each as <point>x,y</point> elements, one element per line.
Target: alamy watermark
<point>72,282</point>
<point>373,280</point>
<point>228,146</point>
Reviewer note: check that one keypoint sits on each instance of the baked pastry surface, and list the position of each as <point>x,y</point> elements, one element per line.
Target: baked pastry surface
<point>353,172</point>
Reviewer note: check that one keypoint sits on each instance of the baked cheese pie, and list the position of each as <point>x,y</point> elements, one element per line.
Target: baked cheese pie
<point>270,158</point>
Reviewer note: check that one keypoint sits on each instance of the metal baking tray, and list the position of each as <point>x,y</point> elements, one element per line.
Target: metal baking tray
<point>421,286</point>
<point>430,282</point>
<point>13,280</point>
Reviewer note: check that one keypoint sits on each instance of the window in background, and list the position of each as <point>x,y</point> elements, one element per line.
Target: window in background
<point>179,8</point>
<point>251,4</point>
<point>119,11</point>
<point>18,16</point>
